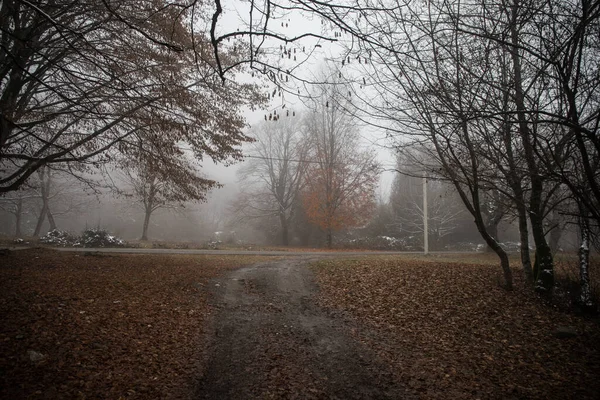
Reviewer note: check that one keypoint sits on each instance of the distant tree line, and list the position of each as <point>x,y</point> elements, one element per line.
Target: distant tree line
<point>309,174</point>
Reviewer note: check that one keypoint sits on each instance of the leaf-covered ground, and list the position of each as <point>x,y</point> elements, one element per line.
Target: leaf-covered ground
<point>451,332</point>
<point>104,326</point>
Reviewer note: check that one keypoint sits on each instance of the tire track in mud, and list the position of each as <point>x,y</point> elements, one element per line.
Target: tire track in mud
<point>270,339</point>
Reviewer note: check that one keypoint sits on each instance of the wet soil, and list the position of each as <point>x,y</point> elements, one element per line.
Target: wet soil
<point>269,339</point>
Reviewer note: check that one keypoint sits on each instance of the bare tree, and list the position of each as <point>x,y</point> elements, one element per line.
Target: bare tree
<point>52,194</point>
<point>444,209</point>
<point>341,178</point>
<point>430,87</point>
<point>19,204</point>
<point>273,176</point>
<point>45,185</point>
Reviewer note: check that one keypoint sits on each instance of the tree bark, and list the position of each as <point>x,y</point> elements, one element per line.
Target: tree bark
<point>543,268</point>
<point>18,217</point>
<point>495,246</point>
<point>147,215</point>
<point>524,236</point>
<point>514,178</point>
<point>585,295</point>
<point>40,220</point>
<point>51,220</point>
<point>285,241</point>
<point>492,228</point>
<point>45,185</point>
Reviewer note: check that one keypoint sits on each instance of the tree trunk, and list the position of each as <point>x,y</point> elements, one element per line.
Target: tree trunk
<point>524,236</point>
<point>40,220</point>
<point>543,268</point>
<point>585,296</point>
<point>51,220</point>
<point>18,217</point>
<point>514,179</point>
<point>147,215</point>
<point>285,241</point>
<point>492,229</point>
<point>45,182</point>
<point>329,239</point>
<point>493,244</point>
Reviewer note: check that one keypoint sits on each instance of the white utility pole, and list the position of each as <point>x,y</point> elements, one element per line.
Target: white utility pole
<point>425,228</point>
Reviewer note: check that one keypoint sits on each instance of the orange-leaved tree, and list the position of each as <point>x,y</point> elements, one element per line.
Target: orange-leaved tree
<point>341,177</point>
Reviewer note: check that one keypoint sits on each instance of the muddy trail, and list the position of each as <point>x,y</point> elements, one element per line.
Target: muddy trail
<point>270,339</point>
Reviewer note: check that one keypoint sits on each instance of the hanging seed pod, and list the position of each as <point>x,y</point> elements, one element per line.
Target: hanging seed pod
<point>270,117</point>
<point>287,113</point>
<point>293,113</point>
<point>287,78</point>
<point>294,58</point>
<point>265,117</point>
<point>327,104</point>
<point>364,81</point>
<point>274,112</point>
<point>343,62</point>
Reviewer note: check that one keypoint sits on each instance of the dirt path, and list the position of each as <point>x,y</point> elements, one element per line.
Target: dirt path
<point>270,340</point>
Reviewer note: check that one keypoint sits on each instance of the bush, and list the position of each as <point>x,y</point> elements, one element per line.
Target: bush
<point>99,238</point>
<point>380,243</point>
<point>56,237</point>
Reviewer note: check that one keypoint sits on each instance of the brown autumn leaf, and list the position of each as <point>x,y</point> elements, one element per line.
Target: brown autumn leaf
<point>450,331</point>
<point>126,326</point>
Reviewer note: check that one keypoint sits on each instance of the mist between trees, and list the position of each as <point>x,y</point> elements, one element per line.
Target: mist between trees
<point>494,103</point>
